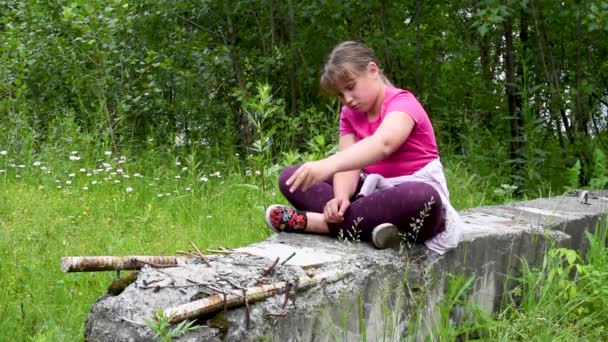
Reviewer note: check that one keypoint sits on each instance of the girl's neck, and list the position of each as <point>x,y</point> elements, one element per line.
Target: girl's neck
<point>375,111</point>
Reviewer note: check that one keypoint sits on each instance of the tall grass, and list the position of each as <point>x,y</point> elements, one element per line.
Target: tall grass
<point>564,299</point>
<point>108,207</point>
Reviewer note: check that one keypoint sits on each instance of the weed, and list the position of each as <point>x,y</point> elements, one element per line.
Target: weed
<point>163,330</point>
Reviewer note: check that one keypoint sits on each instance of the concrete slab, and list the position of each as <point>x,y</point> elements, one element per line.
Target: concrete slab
<point>376,293</point>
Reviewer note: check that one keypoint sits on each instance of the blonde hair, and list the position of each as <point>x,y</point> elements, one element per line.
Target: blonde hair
<point>346,61</point>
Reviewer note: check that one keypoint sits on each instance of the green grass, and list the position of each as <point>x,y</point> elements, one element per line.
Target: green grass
<point>103,205</point>
<point>95,215</point>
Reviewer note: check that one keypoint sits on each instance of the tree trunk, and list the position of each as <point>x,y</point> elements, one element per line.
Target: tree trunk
<point>292,61</point>
<point>581,114</point>
<point>418,48</point>
<point>513,101</point>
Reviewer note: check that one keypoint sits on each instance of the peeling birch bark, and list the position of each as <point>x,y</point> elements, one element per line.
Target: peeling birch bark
<point>116,263</point>
<point>235,298</point>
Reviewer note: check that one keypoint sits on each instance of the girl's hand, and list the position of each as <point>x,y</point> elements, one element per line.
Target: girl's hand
<point>310,174</point>
<point>334,209</point>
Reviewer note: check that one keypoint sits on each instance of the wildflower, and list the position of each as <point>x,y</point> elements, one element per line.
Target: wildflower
<point>68,182</point>
<point>43,168</point>
<point>125,176</point>
<point>85,188</point>
<point>209,216</point>
<point>3,152</point>
<point>137,175</point>
<point>74,152</point>
<point>257,172</point>
<point>123,158</point>
<point>89,174</point>
<point>188,189</point>
<point>178,163</point>
<point>216,174</point>
<point>108,153</point>
<point>117,181</point>
<point>94,182</point>
<point>159,195</point>
<point>57,181</point>
<point>21,166</point>
<point>177,177</point>
<point>107,166</point>
<point>36,163</point>
<point>59,187</point>
<point>74,158</point>
<point>17,176</point>
<point>237,154</point>
<point>83,170</point>
<point>113,173</point>
<point>204,179</point>
<point>185,168</point>
<point>120,170</point>
<point>12,165</point>
<point>129,189</point>
<point>2,171</point>
<point>71,175</point>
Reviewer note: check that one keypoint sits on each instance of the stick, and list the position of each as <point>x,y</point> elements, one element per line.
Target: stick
<point>202,257</point>
<point>220,251</point>
<point>267,272</point>
<point>289,257</point>
<point>114,263</point>
<point>215,303</point>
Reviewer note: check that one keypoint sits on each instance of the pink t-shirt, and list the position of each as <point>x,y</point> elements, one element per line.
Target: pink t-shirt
<point>419,148</point>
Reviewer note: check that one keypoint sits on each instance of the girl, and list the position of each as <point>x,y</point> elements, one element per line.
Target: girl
<point>386,180</point>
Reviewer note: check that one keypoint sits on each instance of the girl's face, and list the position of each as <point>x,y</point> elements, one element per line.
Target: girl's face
<point>361,93</point>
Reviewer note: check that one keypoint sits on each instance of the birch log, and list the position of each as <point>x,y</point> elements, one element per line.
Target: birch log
<point>114,263</point>
<point>235,298</point>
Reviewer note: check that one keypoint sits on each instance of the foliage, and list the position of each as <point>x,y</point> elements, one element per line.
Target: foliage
<point>163,330</point>
<point>120,76</point>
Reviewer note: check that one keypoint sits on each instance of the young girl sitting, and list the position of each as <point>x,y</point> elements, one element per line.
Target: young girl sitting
<point>386,182</point>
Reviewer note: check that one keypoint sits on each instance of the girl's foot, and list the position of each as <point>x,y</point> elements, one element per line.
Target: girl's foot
<point>385,235</point>
<point>282,218</point>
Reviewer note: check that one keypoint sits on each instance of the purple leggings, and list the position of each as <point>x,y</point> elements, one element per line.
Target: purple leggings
<point>400,205</point>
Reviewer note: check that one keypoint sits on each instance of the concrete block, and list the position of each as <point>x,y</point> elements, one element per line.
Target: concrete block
<point>377,289</point>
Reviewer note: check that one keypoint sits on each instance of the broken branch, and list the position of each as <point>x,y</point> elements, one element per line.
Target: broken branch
<point>114,263</point>
<point>215,303</point>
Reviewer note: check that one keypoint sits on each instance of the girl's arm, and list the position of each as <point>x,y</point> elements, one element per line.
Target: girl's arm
<point>392,133</point>
<point>345,183</point>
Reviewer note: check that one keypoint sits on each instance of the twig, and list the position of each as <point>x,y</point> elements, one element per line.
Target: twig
<point>247,318</point>
<point>289,257</point>
<point>188,253</point>
<point>232,284</point>
<point>200,254</point>
<point>267,272</point>
<point>131,321</point>
<point>169,286</point>
<point>219,251</point>
<point>287,289</point>
<point>276,314</point>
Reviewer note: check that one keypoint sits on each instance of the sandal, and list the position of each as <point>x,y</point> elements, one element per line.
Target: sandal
<point>282,218</point>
